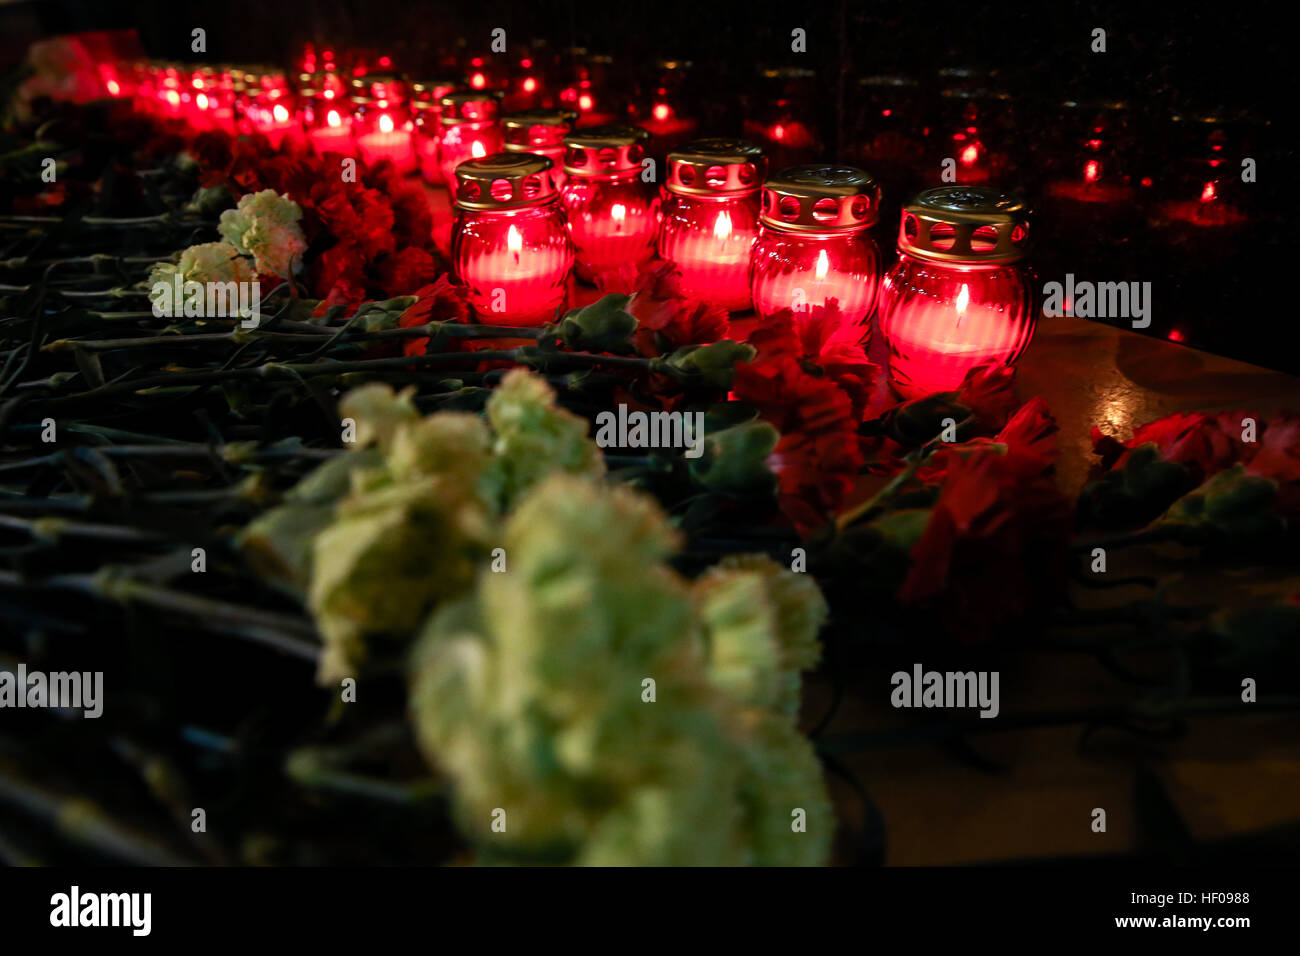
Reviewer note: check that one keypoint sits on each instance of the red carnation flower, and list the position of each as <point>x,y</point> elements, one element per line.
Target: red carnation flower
<point>406,270</point>
<point>666,318</point>
<point>441,301</point>
<point>994,547</point>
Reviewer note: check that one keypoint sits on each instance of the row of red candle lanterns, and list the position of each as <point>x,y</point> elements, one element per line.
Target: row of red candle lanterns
<point>799,239</point>
<point>537,199</point>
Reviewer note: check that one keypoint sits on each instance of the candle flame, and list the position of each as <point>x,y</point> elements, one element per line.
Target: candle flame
<point>722,226</point>
<point>202,101</point>
<point>113,87</point>
<point>514,241</point>
<point>963,300</point>
<point>530,84</point>
<point>478,152</point>
<point>173,97</point>
<point>1092,170</point>
<point>1208,194</point>
<point>969,155</point>
<point>385,123</point>
<point>280,113</point>
<point>823,265</point>
<point>662,111</point>
<point>329,94</point>
<point>585,102</point>
<point>332,118</point>
<point>478,81</point>
<point>618,212</point>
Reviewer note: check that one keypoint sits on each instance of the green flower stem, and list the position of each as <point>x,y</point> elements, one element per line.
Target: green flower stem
<point>286,633</point>
<point>231,455</point>
<point>107,221</point>
<point>851,516</point>
<point>50,529</point>
<point>309,336</point>
<point>311,767</point>
<point>85,823</point>
<point>403,363</point>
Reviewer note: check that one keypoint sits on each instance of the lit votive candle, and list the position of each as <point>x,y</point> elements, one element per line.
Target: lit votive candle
<point>710,218</point>
<point>814,245</point>
<point>612,213</point>
<point>956,298</point>
<point>509,243</point>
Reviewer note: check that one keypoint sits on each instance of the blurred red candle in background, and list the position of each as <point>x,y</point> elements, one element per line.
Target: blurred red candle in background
<point>710,218</point>
<point>381,121</point>
<point>469,130</point>
<point>541,132</point>
<point>612,214</point>
<point>956,298</point>
<point>426,114</point>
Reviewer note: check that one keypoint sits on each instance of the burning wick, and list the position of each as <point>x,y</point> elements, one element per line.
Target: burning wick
<point>280,113</point>
<point>1092,171</point>
<point>722,227</point>
<point>823,265</point>
<point>662,111</point>
<point>385,123</point>
<point>963,300</point>
<point>332,118</point>
<point>618,212</point>
<point>969,155</point>
<point>478,152</point>
<point>514,242</point>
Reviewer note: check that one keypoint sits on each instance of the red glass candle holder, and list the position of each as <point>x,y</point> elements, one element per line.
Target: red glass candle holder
<point>277,113</point>
<point>956,298</point>
<point>613,215</point>
<point>381,121</point>
<point>426,113</point>
<point>710,218</point>
<point>814,245</point>
<point>326,114</point>
<point>171,98</point>
<point>541,132</point>
<point>469,130</point>
<point>509,243</point>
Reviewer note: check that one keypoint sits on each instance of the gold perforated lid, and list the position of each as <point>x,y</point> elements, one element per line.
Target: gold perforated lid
<point>968,224</point>
<point>600,150</point>
<point>709,167</point>
<point>504,181</point>
<point>475,106</point>
<point>821,198</point>
<point>534,129</point>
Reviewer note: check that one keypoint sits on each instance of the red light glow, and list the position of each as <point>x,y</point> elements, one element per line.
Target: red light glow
<point>662,111</point>
<point>710,240</point>
<point>969,155</point>
<point>941,321</point>
<point>515,263</point>
<point>585,102</point>
<point>801,271</point>
<point>478,81</point>
<point>1092,170</point>
<point>530,84</point>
